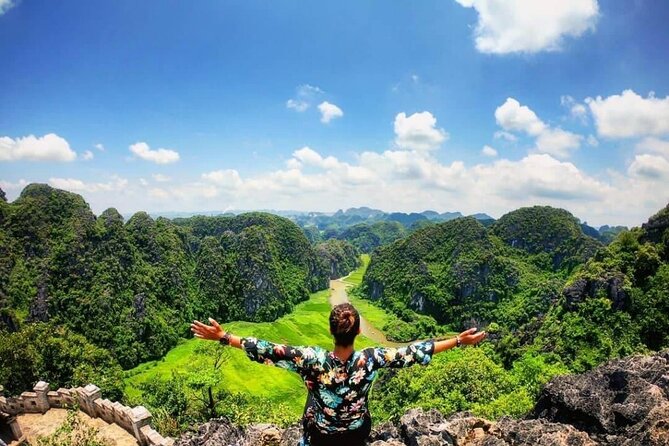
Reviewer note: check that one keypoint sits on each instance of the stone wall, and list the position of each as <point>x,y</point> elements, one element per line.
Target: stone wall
<point>135,420</point>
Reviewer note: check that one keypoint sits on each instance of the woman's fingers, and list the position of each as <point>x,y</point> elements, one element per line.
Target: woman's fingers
<point>214,323</point>
<point>200,324</point>
<point>471,338</point>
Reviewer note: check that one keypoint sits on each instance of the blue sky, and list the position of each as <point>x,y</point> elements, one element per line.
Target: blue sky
<point>469,105</point>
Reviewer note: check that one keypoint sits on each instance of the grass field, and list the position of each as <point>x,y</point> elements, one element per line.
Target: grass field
<point>306,325</point>
<point>374,314</point>
<point>355,278</point>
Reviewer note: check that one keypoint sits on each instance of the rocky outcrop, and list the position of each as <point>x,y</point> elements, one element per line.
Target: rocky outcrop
<point>622,403</point>
<point>656,226</point>
<point>416,428</point>
<point>610,284</point>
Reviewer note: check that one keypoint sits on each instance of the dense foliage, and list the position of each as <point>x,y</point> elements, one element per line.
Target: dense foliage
<point>44,351</point>
<point>455,272</point>
<point>567,308</point>
<point>546,231</point>
<point>81,296</point>
<point>466,379</point>
<point>367,229</point>
<point>368,237</point>
<point>132,288</point>
<point>338,257</point>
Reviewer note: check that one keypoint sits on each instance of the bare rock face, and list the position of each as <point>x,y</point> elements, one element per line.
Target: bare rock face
<point>624,402</point>
<point>611,285</point>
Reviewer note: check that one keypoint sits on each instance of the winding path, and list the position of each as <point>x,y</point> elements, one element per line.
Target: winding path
<point>338,295</point>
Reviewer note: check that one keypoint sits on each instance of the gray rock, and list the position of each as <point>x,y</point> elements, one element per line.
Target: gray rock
<point>614,402</point>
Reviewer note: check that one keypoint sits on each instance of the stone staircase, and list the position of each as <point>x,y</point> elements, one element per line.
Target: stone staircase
<point>40,412</point>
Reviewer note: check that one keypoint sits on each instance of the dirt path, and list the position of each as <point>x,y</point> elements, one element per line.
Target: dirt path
<point>338,295</point>
<point>35,424</point>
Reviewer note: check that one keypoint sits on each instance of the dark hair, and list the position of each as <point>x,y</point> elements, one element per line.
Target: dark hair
<point>344,324</point>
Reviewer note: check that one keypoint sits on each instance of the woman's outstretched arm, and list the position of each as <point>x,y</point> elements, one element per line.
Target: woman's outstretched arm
<point>467,337</point>
<point>213,332</point>
<point>419,352</point>
<point>258,350</point>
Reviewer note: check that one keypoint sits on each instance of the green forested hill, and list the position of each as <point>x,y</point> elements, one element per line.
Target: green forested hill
<point>132,287</point>
<point>567,308</point>
<point>456,272</point>
<point>540,283</point>
<point>368,237</point>
<point>553,234</point>
<point>338,257</point>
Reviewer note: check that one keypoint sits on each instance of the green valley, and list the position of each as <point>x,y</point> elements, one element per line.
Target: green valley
<point>86,298</point>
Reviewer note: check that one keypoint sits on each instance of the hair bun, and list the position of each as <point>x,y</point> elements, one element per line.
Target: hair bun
<point>347,320</point>
<point>344,323</point>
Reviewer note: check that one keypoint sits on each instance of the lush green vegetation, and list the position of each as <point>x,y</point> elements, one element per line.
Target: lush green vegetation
<point>82,296</point>
<point>565,306</point>
<point>132,288</point>
<point>44,351</point>
<point>368,237</point>
<point>465,379</point>
<point>338,257</point>
<point>553,234</point>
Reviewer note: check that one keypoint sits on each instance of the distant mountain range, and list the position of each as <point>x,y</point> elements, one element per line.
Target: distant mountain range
<point>356,215</point>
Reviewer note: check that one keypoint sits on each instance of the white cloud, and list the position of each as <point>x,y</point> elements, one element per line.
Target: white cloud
<point>305,95</point>
<point>87,155</point>
<point>159,193</point>
<point>6,5</point>
<point>229,178</point>
<point>489,151</point>
<point>160,178</point>
<point>293,163</point>
<point>158,156</point>
<point>653,145</point>
<point>520,118</point>
<point>512,116</point>
<point>530,26</point>
<point>49,147</point>
<point>8,185</point>
<point>500,134</point>
<point>75,185</point>
<point>537,176</point>
<point>579,111</point>
<point>306,90</point>
<point>418,131</point>
<point>100,147</point>
<point>650,166</point>
<point>576,109</point>
<point>297,105</point>
<point>558,142</point>
<point>310,157</point>
<point>143,182</point>
<point>592,141</point>
<point>329,112</point>
<point>630,115</point>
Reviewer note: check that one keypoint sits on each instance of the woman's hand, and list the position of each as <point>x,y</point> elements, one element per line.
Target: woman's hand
<point>470,337</point>
<point>212,332</point>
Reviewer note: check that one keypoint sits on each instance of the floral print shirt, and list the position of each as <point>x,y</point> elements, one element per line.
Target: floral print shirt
<point>337,389</point>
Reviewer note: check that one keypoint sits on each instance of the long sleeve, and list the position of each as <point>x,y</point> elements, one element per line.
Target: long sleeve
<point>416,353</point>
<point>284,356</point>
